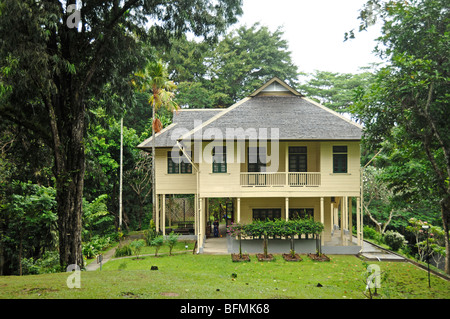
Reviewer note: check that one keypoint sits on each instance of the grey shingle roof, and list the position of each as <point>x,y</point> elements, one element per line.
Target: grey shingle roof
<point>183,121</point>
<point>295,117</point>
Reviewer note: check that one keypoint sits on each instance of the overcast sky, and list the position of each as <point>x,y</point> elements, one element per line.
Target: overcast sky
<point>315,32</point>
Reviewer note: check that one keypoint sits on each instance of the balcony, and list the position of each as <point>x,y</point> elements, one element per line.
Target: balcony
<point>292,179</point>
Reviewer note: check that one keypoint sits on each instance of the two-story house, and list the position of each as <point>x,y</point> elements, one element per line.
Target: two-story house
<point>276,153</point>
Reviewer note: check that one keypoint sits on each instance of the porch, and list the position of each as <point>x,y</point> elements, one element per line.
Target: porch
<point>337,245</point>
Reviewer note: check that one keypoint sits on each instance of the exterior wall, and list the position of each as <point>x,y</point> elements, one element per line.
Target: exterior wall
<point>320,159</point>
<point>172,183</point>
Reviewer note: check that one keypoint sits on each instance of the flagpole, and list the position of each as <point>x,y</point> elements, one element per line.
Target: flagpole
<point>121,169</point>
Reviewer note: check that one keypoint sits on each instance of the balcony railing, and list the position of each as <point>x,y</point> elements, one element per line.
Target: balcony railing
<point>280,179</point>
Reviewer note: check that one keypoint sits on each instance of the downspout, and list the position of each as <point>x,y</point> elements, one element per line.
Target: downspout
<point>197,188</point>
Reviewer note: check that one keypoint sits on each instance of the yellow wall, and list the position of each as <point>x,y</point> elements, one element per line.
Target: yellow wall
<point>227,184</point>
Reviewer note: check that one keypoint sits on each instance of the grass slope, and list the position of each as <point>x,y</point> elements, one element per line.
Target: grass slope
<point>190,276</point>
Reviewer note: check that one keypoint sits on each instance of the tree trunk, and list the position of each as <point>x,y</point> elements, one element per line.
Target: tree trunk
<point>68,147</point>
<point>153,166</point>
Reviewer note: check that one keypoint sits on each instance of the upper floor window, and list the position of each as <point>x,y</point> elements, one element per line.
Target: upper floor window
<point>219,159</point>
<point>256,159</point>
<point>340,159</point>
<point>297,159</point>
<point>178,163</point>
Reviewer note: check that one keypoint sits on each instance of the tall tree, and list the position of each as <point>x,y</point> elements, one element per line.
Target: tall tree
<point>51,71</point>
<point>408,105</point>
<point>155,80</point>
<point>220,75</point>
<point>335,90</point>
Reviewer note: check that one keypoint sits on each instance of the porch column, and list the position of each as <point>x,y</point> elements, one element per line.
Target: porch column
<point>322,216</point>
<point>332,217</point>
<point>350,217</point>
<point>195,214</point>
<point>238,208</point>
<point>342,204</point>
<point>287,208</point>
<point>156,217</point>
<point>358,223</point>
<point>201,232</point>
<point>163,214</point>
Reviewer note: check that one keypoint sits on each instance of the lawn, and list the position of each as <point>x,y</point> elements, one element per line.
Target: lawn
<point>189,276</point>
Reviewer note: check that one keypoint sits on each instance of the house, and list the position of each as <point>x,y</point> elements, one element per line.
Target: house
<point>275,153</point>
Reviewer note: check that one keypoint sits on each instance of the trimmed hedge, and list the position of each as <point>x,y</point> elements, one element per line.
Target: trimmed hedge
<point>277,228</point>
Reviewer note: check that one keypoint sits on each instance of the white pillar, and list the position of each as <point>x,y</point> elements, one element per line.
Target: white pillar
<point>195,214</point>
<point>350,216</point>
<point>156,217</point>
<point>238,208</point>
<point>201,232</point>
<point>322,216</point>
<point>332,217</point>
<point>287,208</point>
<point>358,222</point>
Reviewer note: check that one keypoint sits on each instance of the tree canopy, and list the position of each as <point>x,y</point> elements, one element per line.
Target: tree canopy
<point>53,74</point>
<point>221,74</point>
<point>406,109</point>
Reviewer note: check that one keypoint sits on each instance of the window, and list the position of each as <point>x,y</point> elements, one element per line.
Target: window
<point>297,159</point>
<point>295,213</point>
<point>178,164</point>
<point>256,159</point>
<point>264,214</point>
<point>219,159</point>
<point>339,159</point>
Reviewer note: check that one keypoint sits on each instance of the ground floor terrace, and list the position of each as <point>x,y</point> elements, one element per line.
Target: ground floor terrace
<point>196,217</point>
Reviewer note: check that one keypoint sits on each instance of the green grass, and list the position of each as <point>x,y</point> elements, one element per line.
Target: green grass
<point>191,276</point>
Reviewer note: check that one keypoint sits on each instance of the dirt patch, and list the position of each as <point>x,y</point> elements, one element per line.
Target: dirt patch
<point>289,257</point>
<point>261,257</point>
<point>321,257</point>
<point>237,258</point>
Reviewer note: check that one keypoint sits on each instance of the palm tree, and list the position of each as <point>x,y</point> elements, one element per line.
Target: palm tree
<point>155,80</point>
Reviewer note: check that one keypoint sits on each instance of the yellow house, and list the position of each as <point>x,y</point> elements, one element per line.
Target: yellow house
<point>275,153</point>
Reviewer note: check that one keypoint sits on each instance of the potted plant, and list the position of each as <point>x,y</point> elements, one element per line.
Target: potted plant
<point>238,230</point>
<point>292,228</point>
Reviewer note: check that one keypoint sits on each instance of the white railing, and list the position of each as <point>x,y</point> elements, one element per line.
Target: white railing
<point>280,179</point>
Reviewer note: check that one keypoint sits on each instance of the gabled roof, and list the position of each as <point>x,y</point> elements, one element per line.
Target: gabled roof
<point>275,105</point>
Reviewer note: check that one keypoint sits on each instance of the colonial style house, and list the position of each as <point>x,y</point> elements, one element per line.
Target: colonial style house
<point>275,153</point>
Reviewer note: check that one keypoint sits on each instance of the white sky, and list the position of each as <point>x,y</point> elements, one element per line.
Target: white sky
<point>315,31</point>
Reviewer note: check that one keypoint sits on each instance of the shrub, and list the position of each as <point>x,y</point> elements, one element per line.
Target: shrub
<point>136,246</point>
<point>123,250</point>
<point>149,235</point>
<point>157,242</point>
<point>371,233</point>
<point>48,263</point>
<point>394,239</point>
<point>171,241</point>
